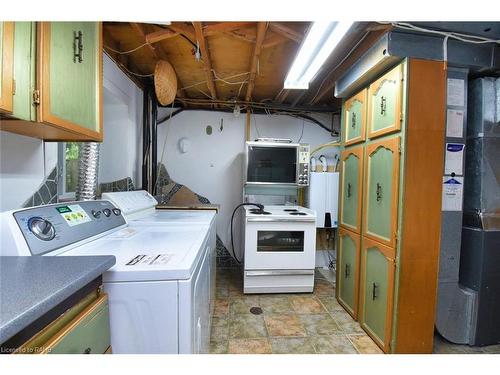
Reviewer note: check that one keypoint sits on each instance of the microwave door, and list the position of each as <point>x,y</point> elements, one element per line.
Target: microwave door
<point>272,165</point>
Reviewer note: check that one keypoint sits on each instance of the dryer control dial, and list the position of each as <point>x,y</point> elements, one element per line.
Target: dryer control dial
<point>41,228</point>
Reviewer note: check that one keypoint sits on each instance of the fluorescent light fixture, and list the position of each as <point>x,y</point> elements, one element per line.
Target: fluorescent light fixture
<point>320,41</point>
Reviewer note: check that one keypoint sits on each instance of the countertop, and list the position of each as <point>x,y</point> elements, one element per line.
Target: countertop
<point>30,286</point>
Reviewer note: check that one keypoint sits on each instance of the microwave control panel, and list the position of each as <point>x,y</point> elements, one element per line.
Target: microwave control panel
<point>304,157</point>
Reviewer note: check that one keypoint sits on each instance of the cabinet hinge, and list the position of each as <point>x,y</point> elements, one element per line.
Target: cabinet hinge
<point>36,97</point>
<point>400,148</point>
<point>13,86</point>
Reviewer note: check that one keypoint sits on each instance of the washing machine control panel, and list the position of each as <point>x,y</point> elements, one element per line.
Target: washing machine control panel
<point>51,227</point>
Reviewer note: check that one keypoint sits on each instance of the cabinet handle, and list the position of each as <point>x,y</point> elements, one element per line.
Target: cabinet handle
<point>379,192</point>
<point>348,190</point>
<point>374,291</point>
<point>383,105</point>
<point>347,270</point>
<point>77,46</point>
<point>353,120</point>
<point>87,351</point>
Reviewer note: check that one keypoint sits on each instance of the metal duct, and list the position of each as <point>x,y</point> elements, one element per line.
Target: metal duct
<point>87,171</point>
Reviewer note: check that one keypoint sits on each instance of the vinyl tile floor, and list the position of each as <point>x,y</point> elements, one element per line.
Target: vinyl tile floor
<point>302,323</point>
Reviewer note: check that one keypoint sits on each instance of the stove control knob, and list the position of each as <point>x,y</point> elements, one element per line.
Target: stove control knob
<point>41,228</point>
<point>96,214</point>
<point>117,211</point>
<point>106,212</point>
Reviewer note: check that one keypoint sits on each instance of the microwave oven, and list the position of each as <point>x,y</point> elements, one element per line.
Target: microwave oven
<point>277,163</point>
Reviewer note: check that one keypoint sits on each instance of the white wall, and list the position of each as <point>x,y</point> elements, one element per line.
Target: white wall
<point>25,161</point>
<point>213,166</point>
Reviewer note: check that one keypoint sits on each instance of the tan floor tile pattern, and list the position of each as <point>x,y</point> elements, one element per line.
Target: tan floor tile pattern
<point>296,323</point>
<point>284,325</point>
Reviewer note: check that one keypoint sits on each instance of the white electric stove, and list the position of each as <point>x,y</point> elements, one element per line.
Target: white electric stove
<point>159,288</point>
<point>280,249</point>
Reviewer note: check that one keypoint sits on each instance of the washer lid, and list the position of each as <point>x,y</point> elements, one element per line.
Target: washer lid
<point>152,253</point>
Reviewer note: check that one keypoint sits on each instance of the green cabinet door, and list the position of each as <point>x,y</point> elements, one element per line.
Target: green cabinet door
<point>377,287</point>
<point>355,118</point>
<point>381,191</point>
<point>24,70</point>
<point>6,66</point>
<point>88,334</point>
<point>384,109</point>
<point>351,187</point>
<point>71,64</point>
<point>348,271</point>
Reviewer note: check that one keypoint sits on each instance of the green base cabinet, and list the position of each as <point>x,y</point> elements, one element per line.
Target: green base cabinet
<point>348,271</point>
<point>377,287</point>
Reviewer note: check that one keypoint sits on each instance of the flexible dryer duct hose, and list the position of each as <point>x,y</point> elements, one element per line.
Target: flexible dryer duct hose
<point>87,171</point>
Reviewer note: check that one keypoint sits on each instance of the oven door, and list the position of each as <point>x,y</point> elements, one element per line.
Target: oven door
<point>280,245</point>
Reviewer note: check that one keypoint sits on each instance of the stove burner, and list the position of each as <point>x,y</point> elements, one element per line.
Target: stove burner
<point>290,210</point>
<point>259,212</point>
<point>298,213</point>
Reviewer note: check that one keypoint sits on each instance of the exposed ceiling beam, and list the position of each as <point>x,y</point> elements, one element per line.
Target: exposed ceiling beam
<point>122,61</point>
<point>158,52</point>
<point>282,95</point>
<point>241,36</point>
<point>286,31</point>
<point>182,28</point>
<point>207,64</point>
<point>160,35</point>
<point>261,33</point>
<point>274,39</point>
<point>225,27</point>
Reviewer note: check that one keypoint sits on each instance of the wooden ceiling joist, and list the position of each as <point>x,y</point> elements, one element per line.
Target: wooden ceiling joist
<point>222,27</point>
<point>207,65</point>
<point>274,39</point>
<point>183,28</point>
<point>158,53</point>
<point>158,36</point>
<point>286,31</point>
<point>261,33</point>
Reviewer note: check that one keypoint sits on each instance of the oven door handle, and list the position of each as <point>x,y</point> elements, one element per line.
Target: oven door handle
<point>279,272</point>
<point>275,220</point>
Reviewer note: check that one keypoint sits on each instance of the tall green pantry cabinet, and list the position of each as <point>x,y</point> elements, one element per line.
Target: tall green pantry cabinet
<point>57,69</point>
<point>390,205</point>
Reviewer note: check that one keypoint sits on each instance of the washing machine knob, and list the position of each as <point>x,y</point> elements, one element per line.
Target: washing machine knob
<point>107,212</point>
<point>41,228</point>
<point>117,211</point>
<point>96,214</point>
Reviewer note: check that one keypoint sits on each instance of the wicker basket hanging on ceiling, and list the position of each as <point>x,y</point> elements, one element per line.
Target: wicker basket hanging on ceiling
<point>165,82</point>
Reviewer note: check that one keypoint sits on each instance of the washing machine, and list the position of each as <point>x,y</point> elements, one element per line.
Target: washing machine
<point>159,288</point>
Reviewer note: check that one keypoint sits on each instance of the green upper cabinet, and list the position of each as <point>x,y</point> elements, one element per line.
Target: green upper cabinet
<point>6,66</point>
<point>355,118</point>
<point>348,271</point>
<point>384,103</point>
<point>24,70</point>
<point>381,192</point>
<point>377,289</point>
<point>351,185</point>
<point>70,70</point>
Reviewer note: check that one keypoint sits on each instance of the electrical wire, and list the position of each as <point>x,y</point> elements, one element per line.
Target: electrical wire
<point>302,133</point>
<point>259,206</point>
<point>126,52</point>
